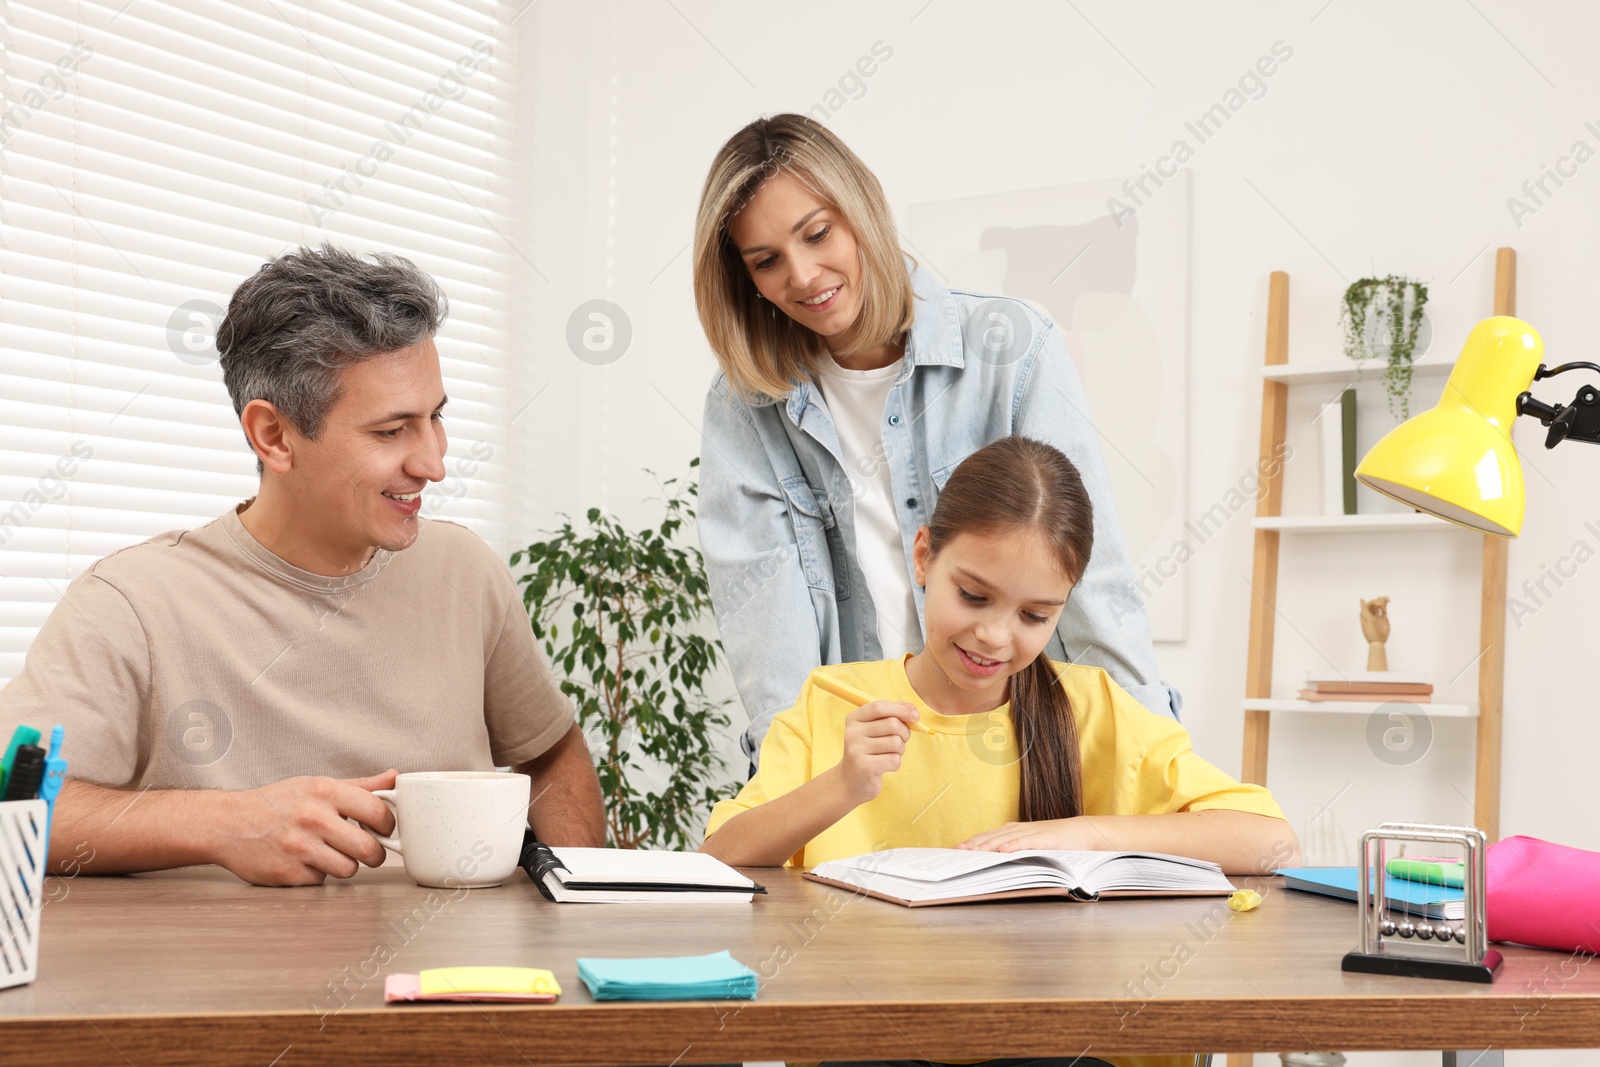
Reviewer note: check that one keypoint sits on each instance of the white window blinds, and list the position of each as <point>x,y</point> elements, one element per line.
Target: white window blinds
<point>152,155</point>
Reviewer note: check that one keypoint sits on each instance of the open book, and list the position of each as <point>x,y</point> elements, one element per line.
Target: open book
<point>917,877</point>
<point>629,876</point>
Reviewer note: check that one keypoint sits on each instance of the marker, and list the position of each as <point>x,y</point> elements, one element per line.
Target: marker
<point>26,774</point>
<point>1445,872</point>
<point>24,735</point>
<point>55,773</point>
<point>850,694</point>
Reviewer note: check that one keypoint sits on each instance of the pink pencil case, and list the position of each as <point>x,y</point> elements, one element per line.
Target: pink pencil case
<point>1544,894</point>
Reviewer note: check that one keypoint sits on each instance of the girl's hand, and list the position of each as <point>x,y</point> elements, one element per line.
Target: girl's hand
<point>1075,835</point>
<point>875,737</point>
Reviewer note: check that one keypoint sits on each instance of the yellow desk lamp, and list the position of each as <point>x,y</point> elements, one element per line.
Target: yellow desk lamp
<point>1456,460</point>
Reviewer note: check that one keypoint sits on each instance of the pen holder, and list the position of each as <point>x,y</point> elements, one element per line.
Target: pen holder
<point>22,867</point>
<point>1423,949</point>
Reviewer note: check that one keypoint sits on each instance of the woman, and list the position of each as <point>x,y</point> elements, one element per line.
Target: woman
<point>852,383</point>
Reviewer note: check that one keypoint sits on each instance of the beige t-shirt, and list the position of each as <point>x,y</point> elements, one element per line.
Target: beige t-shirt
<point>200,660</point>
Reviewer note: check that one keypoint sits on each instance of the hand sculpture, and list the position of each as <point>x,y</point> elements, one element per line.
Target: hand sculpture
<point>1375,628</point>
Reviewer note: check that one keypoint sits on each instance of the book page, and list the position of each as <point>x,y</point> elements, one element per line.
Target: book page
<point>644,866</point>
<point>929,864</point>
<point>950,871</point>
<point>1105,871</point>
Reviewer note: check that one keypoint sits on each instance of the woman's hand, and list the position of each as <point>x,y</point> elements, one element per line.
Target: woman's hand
<point>875,737</point>
<point>1075,835</point>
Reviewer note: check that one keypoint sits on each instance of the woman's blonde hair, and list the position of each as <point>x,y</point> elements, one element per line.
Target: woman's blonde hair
<point>764,352</point>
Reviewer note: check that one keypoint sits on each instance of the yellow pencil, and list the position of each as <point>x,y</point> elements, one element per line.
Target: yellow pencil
<point>847,692</point>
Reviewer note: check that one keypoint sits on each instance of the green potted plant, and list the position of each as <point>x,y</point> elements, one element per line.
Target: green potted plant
<point>1381,318</point>
<point>619,614</point>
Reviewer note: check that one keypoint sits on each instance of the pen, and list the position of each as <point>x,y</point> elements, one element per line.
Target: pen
<point>55,772</point>
<point>847,692</point>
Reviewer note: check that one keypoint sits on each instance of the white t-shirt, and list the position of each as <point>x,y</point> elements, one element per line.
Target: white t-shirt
<point>856,399</point>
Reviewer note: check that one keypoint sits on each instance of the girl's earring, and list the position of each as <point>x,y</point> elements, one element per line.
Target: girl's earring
<point>759,296</point>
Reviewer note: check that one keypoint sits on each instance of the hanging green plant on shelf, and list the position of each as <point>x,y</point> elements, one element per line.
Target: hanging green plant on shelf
<point>1382,318</point>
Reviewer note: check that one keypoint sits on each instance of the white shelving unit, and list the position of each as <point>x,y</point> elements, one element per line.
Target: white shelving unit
<point>1349,371</point>
<point>1404,520</point>
<point>1270,525</point>
<point>1361,707</point>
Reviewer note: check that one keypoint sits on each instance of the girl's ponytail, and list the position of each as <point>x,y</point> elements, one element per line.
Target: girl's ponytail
<point>1013,484</point>
<point>1047,739</point>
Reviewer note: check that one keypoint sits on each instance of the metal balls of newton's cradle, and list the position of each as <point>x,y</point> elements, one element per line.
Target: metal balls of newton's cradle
<point>1442,931</point>
<point>1425,931</point>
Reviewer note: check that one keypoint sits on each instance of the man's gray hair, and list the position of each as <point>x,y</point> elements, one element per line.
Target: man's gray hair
<point>306,315</point>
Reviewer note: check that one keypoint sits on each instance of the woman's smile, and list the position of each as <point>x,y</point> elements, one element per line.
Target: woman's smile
<point>823,300</point>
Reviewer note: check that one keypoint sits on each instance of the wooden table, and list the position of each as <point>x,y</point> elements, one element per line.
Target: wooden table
<point>194,967</point>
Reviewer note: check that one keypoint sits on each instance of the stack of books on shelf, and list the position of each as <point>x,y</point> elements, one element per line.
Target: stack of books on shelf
<point>1368,687</point>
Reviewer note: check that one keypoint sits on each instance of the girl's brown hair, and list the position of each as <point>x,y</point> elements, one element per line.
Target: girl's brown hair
<point>763,351</point>
<point>1018,483</point>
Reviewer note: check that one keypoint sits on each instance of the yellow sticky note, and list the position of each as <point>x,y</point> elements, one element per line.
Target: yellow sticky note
<point>1245,900</point>
<point>442,980</point>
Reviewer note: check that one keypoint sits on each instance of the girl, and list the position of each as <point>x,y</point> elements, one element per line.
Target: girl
<point>980,740</point>
<point>851,384</point>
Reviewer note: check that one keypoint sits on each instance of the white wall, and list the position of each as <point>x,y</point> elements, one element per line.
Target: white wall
<point>1389,142</point>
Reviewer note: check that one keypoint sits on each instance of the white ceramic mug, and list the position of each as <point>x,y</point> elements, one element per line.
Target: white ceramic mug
<point>461,828</point>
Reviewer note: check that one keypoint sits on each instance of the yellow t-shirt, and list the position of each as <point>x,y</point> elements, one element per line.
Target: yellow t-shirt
<point>963,778</point>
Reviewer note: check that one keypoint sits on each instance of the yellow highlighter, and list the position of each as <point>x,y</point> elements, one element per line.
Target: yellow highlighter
<point>849,693</point>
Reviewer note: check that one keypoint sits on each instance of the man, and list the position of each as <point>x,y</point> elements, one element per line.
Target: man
<point>232,694</point>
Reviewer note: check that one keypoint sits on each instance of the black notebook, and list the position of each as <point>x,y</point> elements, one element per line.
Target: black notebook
<point>633,876</point>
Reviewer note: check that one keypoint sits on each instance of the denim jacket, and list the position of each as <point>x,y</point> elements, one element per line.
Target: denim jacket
<point>777,510</point>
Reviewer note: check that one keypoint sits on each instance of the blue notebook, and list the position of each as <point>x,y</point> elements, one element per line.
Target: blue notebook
<point>715,977</point>
<point>1412,898</point>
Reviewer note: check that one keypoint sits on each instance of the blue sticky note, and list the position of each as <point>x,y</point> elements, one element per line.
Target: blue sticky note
<point>715,977</point>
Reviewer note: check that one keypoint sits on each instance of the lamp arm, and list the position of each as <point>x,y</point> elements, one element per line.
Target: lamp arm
<point>1579,420</point>
<point>1550,372</point>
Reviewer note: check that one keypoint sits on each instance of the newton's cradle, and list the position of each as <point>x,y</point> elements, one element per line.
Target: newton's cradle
<point>1423,949</point>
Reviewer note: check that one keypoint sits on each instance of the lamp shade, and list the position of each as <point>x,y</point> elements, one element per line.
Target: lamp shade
<point>1456,460</point>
